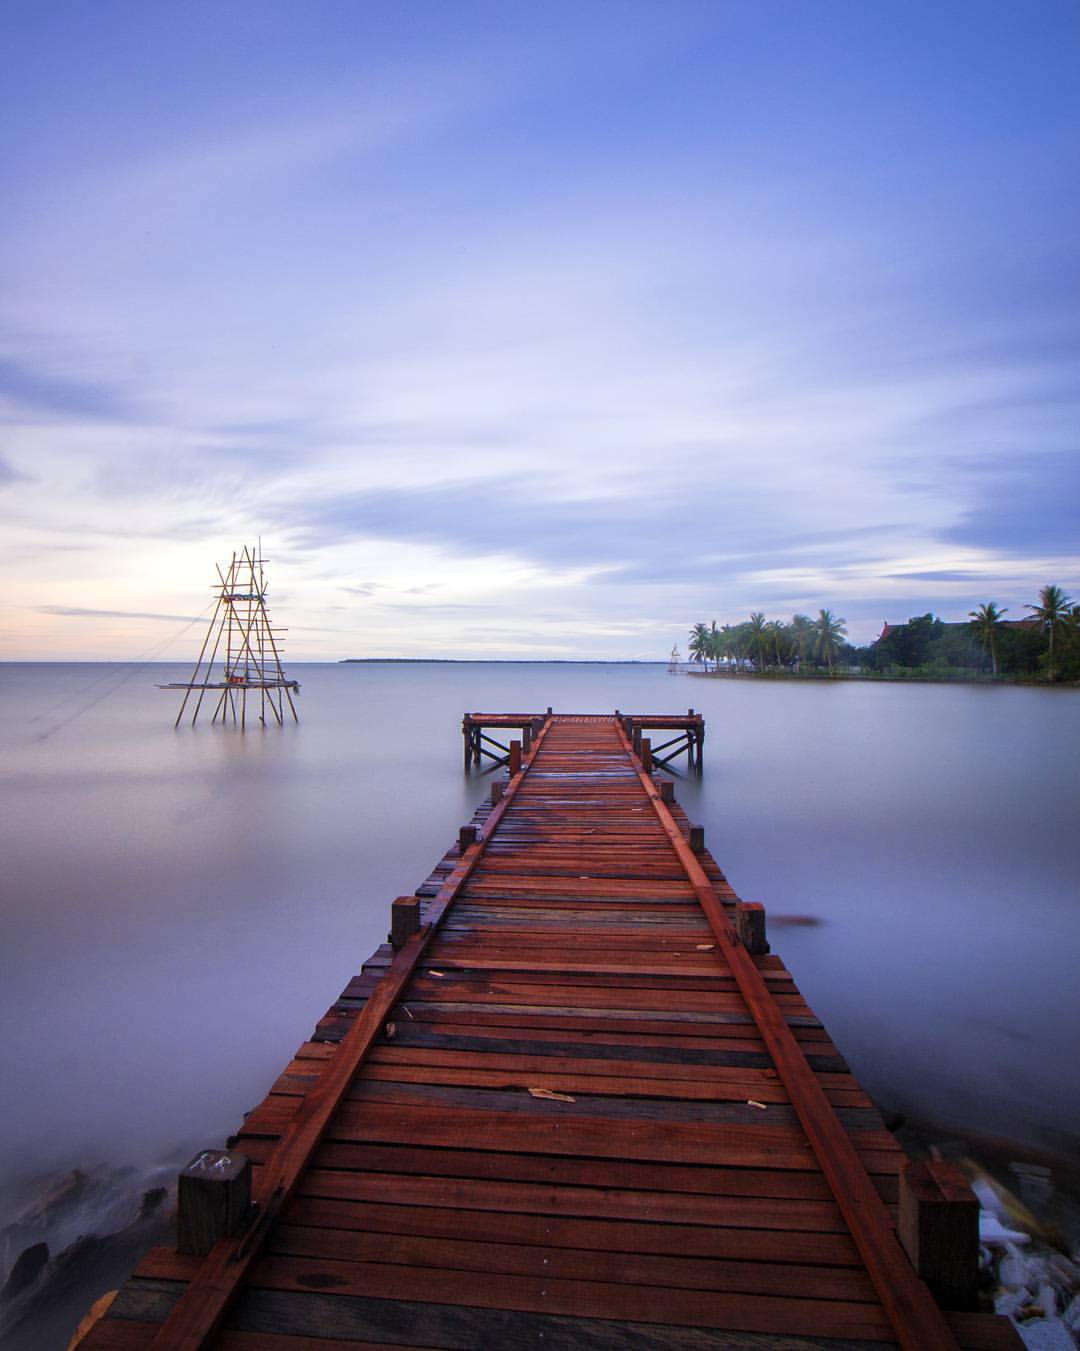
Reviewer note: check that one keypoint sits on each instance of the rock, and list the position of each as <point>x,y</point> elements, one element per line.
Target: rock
<point>152,1200</point>
<point>1010,1302</point>
<point>84,1249</point>
<point>993,1233</point>
<point>1071,1316</point>
<point>1012,1269</point>
<point>29,1265</point>
<point>1047,1300</point>
<point>1036,1183</point>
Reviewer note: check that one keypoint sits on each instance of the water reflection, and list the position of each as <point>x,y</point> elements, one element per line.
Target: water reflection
<point>180,907</point>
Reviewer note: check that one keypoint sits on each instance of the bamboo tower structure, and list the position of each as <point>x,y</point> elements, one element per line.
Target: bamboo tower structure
<point>245,643</point>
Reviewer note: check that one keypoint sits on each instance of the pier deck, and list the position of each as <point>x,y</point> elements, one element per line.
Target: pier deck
<point>572,1110</point>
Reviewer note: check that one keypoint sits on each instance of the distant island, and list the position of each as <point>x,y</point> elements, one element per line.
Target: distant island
<point>1043,646</point>
<point>506,661</point>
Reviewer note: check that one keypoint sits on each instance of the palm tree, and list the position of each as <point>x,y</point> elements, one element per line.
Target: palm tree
<point>1053,613</point>
<point>828,632</point>
<point>717,644</point>
<point>778,630</point>
<point>986,622</point>
<point>802,631</point>
<point>759,636</point>
<point>699,643</point>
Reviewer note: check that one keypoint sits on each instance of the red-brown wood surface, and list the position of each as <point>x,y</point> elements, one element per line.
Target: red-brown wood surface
<point>571,1111</point>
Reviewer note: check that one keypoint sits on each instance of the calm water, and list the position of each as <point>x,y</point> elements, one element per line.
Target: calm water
<point>180,907</point>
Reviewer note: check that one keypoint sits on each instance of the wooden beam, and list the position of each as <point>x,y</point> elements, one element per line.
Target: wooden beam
<point>939,1228</point>
<point>917,1321</point>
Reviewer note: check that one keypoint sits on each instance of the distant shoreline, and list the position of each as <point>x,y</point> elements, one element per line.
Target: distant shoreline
<point>499,661</point>
<point>892,678</point>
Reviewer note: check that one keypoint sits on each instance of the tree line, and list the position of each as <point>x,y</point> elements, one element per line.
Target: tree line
<point>1043,643</point>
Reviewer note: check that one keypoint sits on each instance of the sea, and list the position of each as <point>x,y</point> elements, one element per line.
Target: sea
<point>179,906</point>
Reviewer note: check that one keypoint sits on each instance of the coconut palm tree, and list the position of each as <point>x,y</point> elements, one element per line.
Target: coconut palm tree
<point>759,637</point>
<point>802,632</point>
<point>828,631</point>
<point>779,634</point>
<point>699,643</point>
<point>986,623</point>
<point>1053,613</point>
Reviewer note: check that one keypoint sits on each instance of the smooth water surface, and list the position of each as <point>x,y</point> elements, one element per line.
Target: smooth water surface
<point>179,907</point>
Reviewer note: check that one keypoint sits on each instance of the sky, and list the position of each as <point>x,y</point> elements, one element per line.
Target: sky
<point>533,330</point>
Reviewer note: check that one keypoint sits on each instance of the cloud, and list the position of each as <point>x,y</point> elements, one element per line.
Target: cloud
<point>81,612</point>
<point>942,575</point>
<point>1024,503</point>
<point>8,473</point>
<point>42,390</point>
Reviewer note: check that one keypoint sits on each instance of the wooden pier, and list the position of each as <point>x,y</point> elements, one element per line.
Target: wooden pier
<point>576,1104</point>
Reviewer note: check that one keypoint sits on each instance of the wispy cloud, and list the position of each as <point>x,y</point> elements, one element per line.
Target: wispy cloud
<point>83,612</point>
<point>57,393</point>
<point>620,331</point>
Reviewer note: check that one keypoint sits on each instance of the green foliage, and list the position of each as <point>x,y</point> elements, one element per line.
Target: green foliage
<point>1046,645</point>
<point>1054,614</point>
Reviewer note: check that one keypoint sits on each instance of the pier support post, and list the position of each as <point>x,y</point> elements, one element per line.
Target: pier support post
<point>466,836</point>
<point>404,920</point>
<point>939,1228</point>
<point>526,738</point>
<point>696,837</point>
<point>750,926</point>
<point>213,1195</point>
<point>646,754</point>
<point>497,789</point>
<point>515,758</point>
<point>667,790</point>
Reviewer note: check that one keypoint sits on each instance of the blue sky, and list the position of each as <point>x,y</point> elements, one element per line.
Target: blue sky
<point>534,330</point>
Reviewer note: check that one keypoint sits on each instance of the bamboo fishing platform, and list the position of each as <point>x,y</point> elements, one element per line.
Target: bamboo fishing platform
<point>574,1102</point>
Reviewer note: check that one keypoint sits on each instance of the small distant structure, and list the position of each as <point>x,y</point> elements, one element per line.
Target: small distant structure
<point>242,638</point>
<point>674,660</point>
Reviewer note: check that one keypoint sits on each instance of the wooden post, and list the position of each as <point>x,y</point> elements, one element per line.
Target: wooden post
<point>466,732</point>
<point>526,738</point>
<point>549,710</point>
<point>515,758</point>
<point>939,1228</point>
<point>646,754</point>
<point>667,790</point>
<point>213,1196</point>
<point>636,741</point>
<point>466,836</point>
<point>750,926</point>
<point>404,919</point>
<point>497,788</point>
<point>696,837</point>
